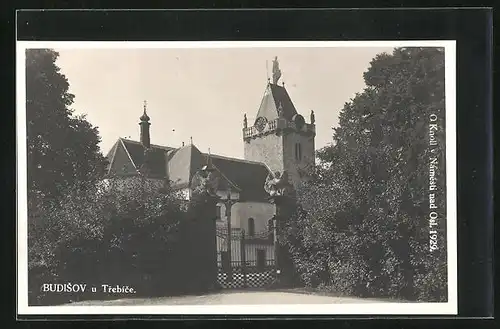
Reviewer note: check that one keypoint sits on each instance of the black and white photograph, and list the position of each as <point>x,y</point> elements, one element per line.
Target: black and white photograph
<point>236,177</point>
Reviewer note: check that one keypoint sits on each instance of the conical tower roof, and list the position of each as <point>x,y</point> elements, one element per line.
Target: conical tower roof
<point>276,98</point>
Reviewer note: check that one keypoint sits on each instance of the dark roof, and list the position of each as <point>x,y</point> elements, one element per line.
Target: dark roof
<point>275,96</point>
<point>249,176</point>
<point>126,151</point>
<point>119,161</point>
<point>180,165</point>
<point>156,155</point>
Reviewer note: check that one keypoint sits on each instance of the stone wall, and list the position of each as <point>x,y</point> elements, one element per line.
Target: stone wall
<point>240,213</point>
<point>267,149</point>
<point>291,164</point>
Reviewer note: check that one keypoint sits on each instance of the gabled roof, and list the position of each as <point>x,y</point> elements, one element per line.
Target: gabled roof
<point>274,97</point>
<point>236,175</point>
<point>179,166</point>
<point>119,161</point>
<point>182,165</point>
<point>156,156</point>
<point>127,156</point>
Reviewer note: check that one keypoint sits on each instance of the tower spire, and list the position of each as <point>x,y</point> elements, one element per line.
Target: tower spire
<point>144,116</point>
<point>144,124</point>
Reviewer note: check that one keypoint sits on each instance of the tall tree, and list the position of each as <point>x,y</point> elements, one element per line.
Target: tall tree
<point>379,166</point>
<point>61,148</point>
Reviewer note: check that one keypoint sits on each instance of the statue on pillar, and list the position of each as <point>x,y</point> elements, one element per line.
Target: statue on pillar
<point>245,121</point>
<point>276,70</point>
<point>313,118</point>
<point>282,194</point>
<point>205,182</point>
<point>201,274</point>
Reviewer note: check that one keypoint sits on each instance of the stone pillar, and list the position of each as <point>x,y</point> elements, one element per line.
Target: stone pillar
<point>202,232</point>
<point>282,195</point>
<point>228,203</point>
<point>285,209</point>
<point>205,244</point>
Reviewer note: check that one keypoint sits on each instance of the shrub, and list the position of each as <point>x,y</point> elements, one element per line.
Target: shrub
<point>99,235</point>
<point>363,223</point>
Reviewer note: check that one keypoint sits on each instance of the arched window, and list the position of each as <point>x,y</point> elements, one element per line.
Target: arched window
<point>251,227</point>
<point>218,214</point>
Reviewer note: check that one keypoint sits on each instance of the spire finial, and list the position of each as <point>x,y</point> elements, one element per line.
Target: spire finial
<point>208,166</point>
<point>191,140</point>
<point>144,116</point>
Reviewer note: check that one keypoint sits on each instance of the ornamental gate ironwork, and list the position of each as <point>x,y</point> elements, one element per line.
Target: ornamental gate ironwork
<point>245,261</point>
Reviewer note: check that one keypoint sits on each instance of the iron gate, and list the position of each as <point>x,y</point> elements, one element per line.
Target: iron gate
<point>245,261</point>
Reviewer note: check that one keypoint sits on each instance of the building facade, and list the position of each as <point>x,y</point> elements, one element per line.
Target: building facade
<point>278,140</point>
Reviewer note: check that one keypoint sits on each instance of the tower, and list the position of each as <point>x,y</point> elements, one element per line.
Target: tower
<point>280,137</point>
<point>144,124</point>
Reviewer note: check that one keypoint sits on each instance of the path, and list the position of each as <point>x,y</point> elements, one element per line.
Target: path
<point>234,298</point>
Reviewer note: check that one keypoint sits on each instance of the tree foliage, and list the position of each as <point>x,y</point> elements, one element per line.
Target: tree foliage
<point>122,232</point>
<point>364,224</point>
<point>61,148</point>
<point>83,228</point>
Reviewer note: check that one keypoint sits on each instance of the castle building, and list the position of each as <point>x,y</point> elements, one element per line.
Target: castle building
<point>278,140</point>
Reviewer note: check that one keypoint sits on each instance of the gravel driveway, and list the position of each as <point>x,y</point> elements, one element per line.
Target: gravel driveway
<point>235,298</point>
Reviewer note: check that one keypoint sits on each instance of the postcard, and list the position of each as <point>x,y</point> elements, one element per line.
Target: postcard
<point>236,178</point>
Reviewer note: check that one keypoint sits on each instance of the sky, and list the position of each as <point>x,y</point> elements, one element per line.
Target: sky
<point>204,93</point>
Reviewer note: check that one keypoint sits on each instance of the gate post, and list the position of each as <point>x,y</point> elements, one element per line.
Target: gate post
<point>243,258</point>
<point>282,195</point>
<point>201,240</point>
<point>228,203</point>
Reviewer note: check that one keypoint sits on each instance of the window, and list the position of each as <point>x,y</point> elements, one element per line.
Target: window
<point>270,228</point>
<point>298,152</point>
<point>218,213</point>
<point>251,227</point>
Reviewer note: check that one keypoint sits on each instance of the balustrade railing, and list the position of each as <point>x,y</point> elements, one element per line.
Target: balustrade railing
<point>273,125</point>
